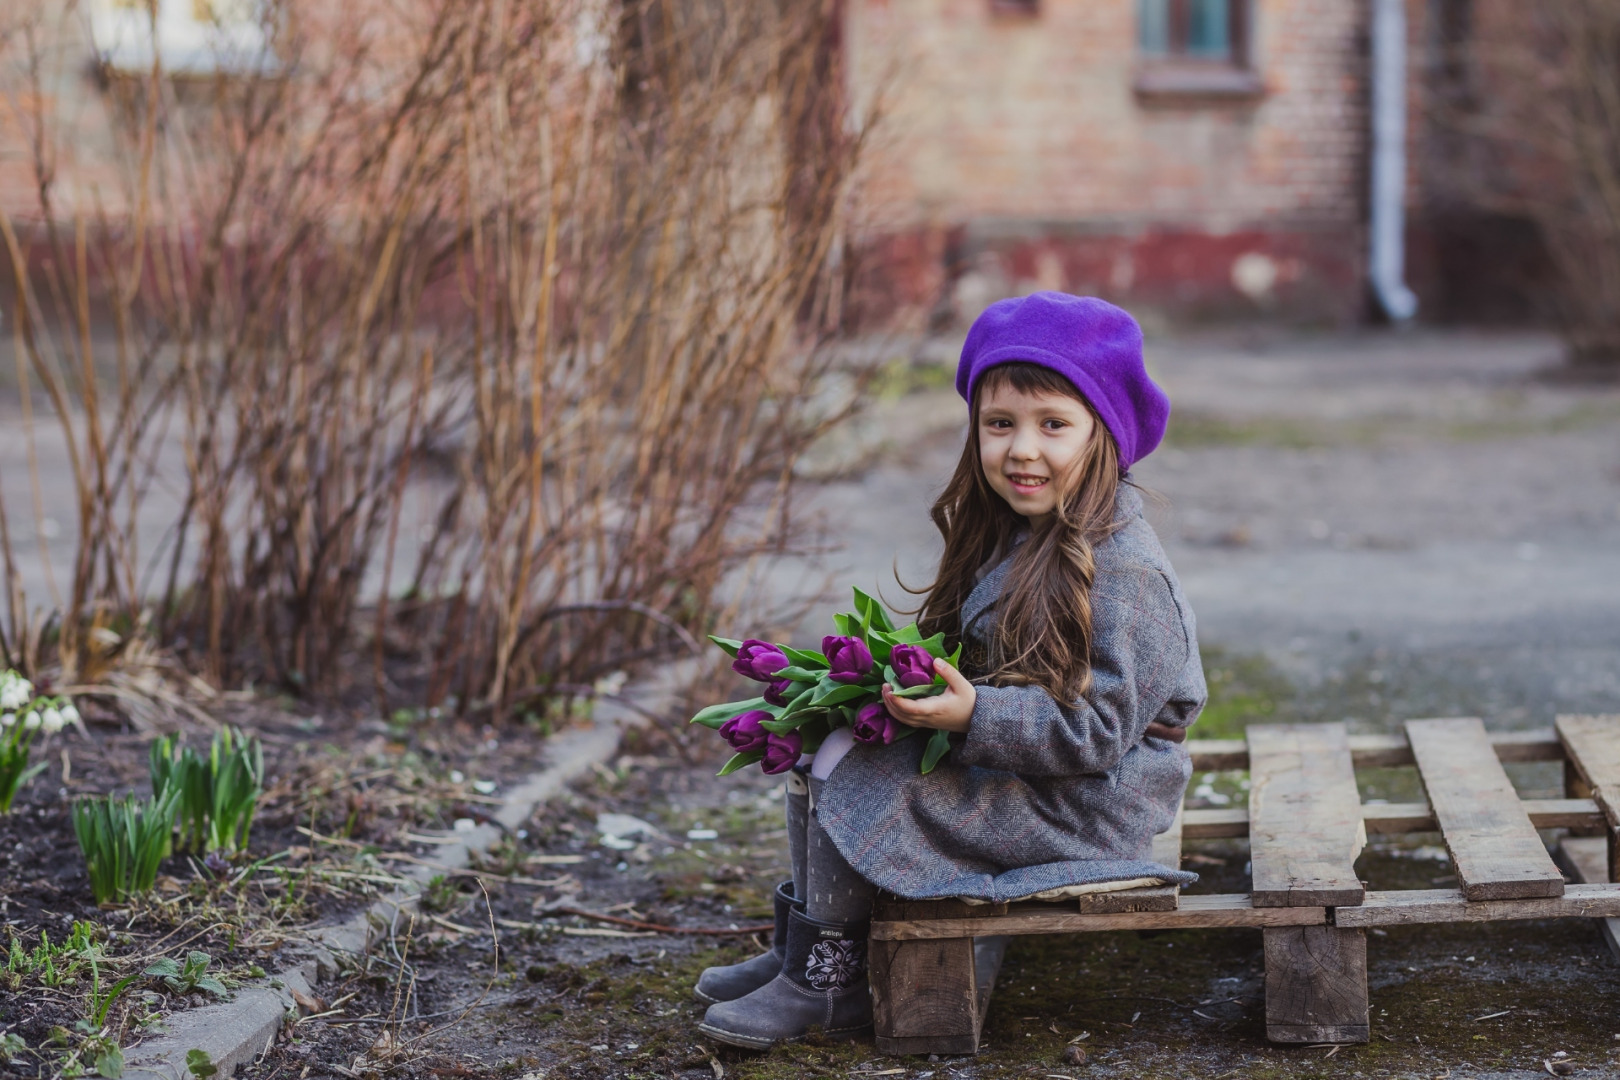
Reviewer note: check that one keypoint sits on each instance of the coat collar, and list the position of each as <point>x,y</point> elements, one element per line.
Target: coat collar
<point>1127,505</point>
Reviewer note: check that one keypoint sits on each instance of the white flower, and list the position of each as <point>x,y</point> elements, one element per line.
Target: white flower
<point>32,720</point>
<point>15,691</point>
<point>7,719</point>
<point>52,720</point>
<point>70,713</point>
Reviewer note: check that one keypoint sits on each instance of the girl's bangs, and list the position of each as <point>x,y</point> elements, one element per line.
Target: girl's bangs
<point>1023,377</point>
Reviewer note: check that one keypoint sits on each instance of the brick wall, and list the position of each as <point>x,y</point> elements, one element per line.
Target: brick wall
<point>1019,148</point>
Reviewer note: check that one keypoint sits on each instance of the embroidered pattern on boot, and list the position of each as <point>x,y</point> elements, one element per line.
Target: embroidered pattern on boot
<point>835,965</point>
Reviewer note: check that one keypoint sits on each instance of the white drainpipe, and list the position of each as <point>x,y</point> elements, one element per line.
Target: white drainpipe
<point>1386,260</point>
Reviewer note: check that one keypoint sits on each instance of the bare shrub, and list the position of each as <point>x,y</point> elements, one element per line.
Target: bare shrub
<point>1530,107</point>
<point>553,277</point>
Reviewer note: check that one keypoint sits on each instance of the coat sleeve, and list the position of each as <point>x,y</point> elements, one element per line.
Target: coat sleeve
<point>1141,647</point>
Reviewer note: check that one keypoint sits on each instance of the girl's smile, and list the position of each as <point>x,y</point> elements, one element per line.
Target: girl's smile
<point>1028,443</point>
<point>1025,483</point>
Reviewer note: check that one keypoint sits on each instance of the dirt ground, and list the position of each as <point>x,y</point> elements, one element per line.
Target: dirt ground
<point>1370,528</point>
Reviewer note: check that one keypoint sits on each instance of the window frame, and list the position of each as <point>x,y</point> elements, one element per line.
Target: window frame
<point>1015,9</point>
<point>1176,73</point>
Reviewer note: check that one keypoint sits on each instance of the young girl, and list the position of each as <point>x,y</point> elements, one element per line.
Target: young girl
<point>1080,674</point>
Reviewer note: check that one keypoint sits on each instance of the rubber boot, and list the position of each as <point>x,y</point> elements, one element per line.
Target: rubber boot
<point>822,986</point>
<point>734,980</point>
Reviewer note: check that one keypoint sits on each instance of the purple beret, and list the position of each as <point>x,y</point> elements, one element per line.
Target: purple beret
<point>1090,342</point>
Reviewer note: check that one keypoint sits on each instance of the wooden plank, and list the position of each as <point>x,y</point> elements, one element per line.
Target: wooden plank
<point>1493,845</point>
<point>1396,818</point>
<point>925,997</point>
<point>1316,985</point>
<point>1218,755</point>
<point>1197,911</point>
<point>1166,851</point>
<point>1305,827</point>
<point>988,952</point>
<point>1380,751</point>
<point>1593,744</point>
<point>1404,906</point>
<point>1210,824</point>
<point>1585,860</point>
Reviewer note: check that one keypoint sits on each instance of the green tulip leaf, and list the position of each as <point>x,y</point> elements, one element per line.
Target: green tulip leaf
<point>813,734</point>
<point>845,624</point>
<point>786,722</point>
<point>939,744</point>
<point>806,658</point>
<point>906,635</point>
<point>730,645</point>
<point>800,674</point>
<point>843,692</point>
<point>798,703</point>
<point>740,761</point>
<point>715,715</point>
<point>932,689</point>
<point>871,609</point>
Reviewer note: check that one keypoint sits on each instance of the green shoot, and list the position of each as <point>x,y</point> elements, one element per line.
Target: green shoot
<point>101,1004</point>
<point>123,842</point>
<point>189,977</point>
<point>217,794</point>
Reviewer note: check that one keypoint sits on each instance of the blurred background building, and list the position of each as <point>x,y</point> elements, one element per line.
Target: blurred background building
<point>1193,159</point>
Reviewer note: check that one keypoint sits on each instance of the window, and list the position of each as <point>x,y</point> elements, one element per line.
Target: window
<point>1194,47</point>
<point>190,37</point>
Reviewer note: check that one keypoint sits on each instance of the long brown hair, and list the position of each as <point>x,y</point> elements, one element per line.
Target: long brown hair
<point>1043,629</point>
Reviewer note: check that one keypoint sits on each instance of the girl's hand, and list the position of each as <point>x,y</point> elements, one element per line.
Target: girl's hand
<point>949,711</point>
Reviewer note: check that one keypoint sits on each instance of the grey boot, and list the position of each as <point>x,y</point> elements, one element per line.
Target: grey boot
<point>734,980</point>
<point>822,986</point>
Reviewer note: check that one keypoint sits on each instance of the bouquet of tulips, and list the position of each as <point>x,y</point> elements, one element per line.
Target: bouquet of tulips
<point>808,694</point>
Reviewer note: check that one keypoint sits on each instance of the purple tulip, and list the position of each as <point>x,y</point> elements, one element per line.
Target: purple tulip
<point>848,657</point>
<point>744,733</point>
<point>777,694</point>
<point>874,726</point>
<point>759,660</point>
<point>913,665</point>
<point>782,752</point>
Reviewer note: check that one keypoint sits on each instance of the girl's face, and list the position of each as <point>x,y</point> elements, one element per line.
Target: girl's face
<point>1029,443</point>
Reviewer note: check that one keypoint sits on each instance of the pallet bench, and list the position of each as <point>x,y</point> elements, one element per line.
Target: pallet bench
<point>934,962</point>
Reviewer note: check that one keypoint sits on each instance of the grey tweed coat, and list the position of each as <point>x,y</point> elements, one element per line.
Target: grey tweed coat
<point>1041,794</point>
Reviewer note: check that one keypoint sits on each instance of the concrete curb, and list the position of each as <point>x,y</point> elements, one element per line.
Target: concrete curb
<point>244,1028</point>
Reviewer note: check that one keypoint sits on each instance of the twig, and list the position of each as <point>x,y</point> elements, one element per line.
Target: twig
<point>637,924</point>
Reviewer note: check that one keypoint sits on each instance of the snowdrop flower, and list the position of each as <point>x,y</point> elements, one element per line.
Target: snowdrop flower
<point>7,719</point>
<point>52,720</point>
<point>70,714</point>
<point>15,691</point>
<point>32,721</point>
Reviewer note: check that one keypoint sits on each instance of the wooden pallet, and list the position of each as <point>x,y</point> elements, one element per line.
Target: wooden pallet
<point>934,962</point>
